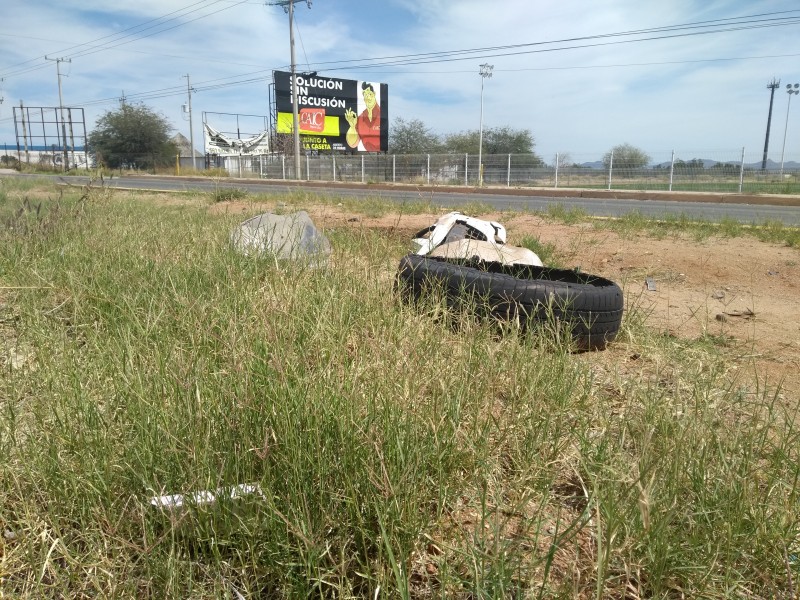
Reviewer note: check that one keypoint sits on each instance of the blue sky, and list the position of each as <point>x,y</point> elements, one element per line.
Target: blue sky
<point>700,95</point>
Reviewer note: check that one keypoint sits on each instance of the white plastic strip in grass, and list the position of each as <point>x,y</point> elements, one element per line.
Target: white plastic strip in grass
<point>207,496</point>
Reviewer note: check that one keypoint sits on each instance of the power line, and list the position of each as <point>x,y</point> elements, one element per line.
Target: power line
<point>112,34</point>
<point>455,55</point>
<point>487,53</point>
<point>117,42</point>
<point>663,29</point>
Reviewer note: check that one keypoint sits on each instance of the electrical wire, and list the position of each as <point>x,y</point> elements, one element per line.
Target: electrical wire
<point>117,42</point>
<point>755,21</point>
<point>118,32</point>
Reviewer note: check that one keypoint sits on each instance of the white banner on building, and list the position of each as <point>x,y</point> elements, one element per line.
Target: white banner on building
<point>222,145</point>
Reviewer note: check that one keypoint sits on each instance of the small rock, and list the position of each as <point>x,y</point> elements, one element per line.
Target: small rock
<point>721,317</point>
<point>431,569</point>
<point>718,295</point>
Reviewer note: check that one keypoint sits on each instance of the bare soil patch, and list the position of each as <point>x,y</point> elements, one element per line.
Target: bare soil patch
<point>739,293</point>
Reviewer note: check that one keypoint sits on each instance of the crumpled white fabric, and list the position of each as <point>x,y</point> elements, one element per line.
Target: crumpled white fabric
<point>493,248</point>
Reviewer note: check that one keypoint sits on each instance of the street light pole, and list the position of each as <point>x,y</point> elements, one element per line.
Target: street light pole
<point>791,89</point>
<point>485,71</point>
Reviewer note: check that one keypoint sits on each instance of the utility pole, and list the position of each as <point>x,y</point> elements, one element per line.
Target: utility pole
<point>485,71</point>
<point>191,129</point>
<point>288,6</point>
<point>771,86</point>
<point>58,62</point>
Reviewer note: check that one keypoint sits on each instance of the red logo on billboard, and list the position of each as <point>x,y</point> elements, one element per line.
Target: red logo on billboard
<point>312,119</point>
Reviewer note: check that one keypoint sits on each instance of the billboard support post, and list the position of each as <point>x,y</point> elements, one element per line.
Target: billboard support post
<point>362,168</point>
<point>334,166</point>
<point>295,120</point>
<point>466,168</point>
<point>394,170</point>
<point>509,170</point>
<point>283,165</point>
<point>288,6</point>
<point>557,161</point>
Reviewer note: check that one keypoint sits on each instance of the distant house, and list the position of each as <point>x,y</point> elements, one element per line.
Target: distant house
<point>185,152</point>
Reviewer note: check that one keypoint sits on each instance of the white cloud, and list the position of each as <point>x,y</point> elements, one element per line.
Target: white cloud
<point>572,100</point>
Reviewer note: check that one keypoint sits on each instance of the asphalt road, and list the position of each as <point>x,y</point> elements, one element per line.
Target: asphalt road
<point>602,207</point>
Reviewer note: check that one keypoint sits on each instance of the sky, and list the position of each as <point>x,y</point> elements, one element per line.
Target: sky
<point>693,81</point>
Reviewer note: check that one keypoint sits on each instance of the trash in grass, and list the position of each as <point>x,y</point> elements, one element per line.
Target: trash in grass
<point>746,313</point>
<point>651,284</point>
<point>459,236</point>
<point>9,535</point>
<point>207,497</point>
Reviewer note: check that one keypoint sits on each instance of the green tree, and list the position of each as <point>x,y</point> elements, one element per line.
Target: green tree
<point>132,135</point>
<point>412,137</point>
<point>497,140</point>
<point>626,157</point>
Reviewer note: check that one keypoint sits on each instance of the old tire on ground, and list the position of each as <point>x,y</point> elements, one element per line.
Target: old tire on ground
<point>590,307</point>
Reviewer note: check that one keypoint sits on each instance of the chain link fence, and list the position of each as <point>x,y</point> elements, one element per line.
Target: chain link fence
<point>714,172</point>
<point>701,171</point>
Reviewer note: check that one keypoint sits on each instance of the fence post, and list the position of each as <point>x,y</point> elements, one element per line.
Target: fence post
<point>283,165</point>
<point>610,167</point>
<point>333,156</point>
<point>671,169</point>
<point>557,161</point>
<point>466,169</point>
<point>429,169</point>
<point>308,168</point>
<point>509,170</point>
<point>741,172</point>
<point>261,166</point>
<point>394,168</point>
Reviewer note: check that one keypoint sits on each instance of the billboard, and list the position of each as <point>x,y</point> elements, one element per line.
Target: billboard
<point>334,114</point>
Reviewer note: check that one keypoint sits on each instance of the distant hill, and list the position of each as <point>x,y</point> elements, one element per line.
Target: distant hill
<point>789,165</point>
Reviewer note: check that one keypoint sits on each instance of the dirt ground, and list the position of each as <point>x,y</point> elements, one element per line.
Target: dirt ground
<point>742,293</point>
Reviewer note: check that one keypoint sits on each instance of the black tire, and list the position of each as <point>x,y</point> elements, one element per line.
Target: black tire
<point>590,307</point>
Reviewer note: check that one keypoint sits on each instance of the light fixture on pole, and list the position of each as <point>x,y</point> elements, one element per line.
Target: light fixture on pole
<point>791,89</point>
<point>485,71</point>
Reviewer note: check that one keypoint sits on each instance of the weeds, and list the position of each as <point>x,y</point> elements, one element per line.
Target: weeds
<point>558,212</point>
<point>228,194</point>
<point>546,251</point>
